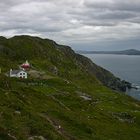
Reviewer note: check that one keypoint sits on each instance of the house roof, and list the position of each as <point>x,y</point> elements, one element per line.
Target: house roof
<point>17,71</point>
<point>26,64</point>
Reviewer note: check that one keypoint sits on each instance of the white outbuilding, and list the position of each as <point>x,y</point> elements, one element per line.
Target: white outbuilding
<point>18,73</point>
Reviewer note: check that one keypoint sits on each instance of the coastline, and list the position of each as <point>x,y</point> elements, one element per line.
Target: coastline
<point>124,66</point>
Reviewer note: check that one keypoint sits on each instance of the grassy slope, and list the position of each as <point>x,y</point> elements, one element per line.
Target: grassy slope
<point>38,107</point>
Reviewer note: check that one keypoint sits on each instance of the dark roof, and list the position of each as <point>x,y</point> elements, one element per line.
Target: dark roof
<point>16,71</point>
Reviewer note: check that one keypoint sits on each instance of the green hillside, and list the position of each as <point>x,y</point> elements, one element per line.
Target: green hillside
<point>66,96</point>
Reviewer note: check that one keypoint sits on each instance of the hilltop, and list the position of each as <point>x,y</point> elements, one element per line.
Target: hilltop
<point>66,97</point>
<point>124,52</point>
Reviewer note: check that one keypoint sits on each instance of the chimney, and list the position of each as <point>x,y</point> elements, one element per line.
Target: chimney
<point>11,72</point>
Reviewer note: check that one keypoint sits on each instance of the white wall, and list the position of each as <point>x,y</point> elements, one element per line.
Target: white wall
<point>22,74</point>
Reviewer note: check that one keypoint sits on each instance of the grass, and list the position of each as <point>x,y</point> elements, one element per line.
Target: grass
<point>52,107</point>
<point>59,101</point>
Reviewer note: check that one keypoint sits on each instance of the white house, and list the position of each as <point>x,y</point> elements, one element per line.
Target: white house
<point>18,73</point>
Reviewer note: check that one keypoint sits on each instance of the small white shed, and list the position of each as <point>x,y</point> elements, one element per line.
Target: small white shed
<point>18,74</point>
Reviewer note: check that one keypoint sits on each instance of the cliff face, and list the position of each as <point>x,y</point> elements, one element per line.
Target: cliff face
<point>104,76</point>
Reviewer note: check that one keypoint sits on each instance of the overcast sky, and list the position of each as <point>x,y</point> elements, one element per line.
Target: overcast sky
<point>82,24</point>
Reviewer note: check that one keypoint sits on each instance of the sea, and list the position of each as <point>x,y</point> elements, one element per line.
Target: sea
<point>126,67</point>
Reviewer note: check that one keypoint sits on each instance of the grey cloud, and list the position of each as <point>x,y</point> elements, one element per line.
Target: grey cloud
<point>73,21</point>
<point>116,16</point>
<point>127,5</point>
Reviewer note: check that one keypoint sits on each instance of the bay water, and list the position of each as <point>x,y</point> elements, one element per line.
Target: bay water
<point>126,67</point>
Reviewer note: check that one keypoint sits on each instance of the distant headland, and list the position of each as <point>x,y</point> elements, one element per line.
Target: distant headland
<point>123,52</point>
